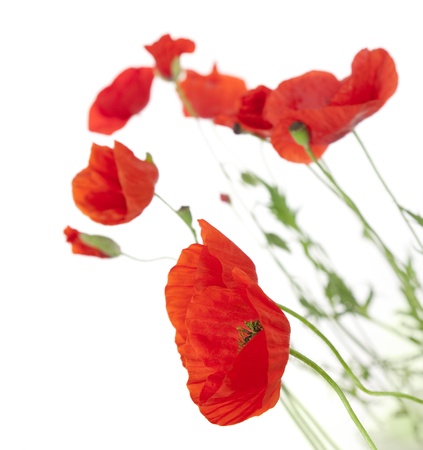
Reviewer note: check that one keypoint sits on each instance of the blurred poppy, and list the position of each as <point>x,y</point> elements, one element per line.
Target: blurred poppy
<point>232,338</point>
<point>249,118</point>
<point>166,51</point>
<point>213,94</point>
<point>91,245</point>
<point>116,186</point>
<point>328,107</point>
<point>128,94</point>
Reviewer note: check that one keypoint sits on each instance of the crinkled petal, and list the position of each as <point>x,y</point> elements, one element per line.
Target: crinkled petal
<point>115,187</point>
<point>226,252</point>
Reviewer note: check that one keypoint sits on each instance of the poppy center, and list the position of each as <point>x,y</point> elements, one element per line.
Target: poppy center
<point>246,333</point>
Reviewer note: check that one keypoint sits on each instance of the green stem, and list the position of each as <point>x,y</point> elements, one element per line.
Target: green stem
<point>302,425</point>
<point>339,392</point>
<point>347,368</point>
<point>388,190</point>
<point>177,213</point>
<point>373,235</point>
<point>148,260</point>
<point>301,409</point>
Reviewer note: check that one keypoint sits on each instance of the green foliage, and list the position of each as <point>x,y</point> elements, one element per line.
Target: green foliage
<point>277,241</point>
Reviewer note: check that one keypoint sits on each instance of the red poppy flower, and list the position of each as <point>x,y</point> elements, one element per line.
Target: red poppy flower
<point>80,245</point>
<point>328,107</point>
<point>249,117</point>
<point>212,95</point>
<point>165,50</point>
<point>128,94</point>
<point>116,186</point>
<point>232,338</point>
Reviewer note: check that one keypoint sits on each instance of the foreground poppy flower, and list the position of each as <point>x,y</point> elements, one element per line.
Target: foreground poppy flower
<point>128,94</point>
<point>116,186</point>
<point>91,245</point>
<point>328,107</point>
<point>212,95</point>
<point>233,340</point>
<point>166,52</point>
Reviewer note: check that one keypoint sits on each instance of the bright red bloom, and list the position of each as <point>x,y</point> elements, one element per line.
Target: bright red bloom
<point>116,186</point>
<point>232,338</point>
<point>128,94</point>
<point>165,50</point>
<point>328,107</point>
<point>80,247</point>
<point>212,95</point>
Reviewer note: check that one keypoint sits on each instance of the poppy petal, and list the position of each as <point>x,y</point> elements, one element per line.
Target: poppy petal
<point>229,254</point>
<point>127,95</point>
<point>165,50</point>
<point>212,95</point>
<point>115,187</point>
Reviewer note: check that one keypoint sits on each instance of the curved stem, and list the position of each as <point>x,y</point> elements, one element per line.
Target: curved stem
<point>347,368</point>
<point>388,190</point>
<point>339,392</point>
<point>179,215</point>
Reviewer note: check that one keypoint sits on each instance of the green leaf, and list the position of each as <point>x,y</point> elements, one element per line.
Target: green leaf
<point>339,293</point>
<point>185,214</point>
<point>312,308</point>
<point>279,207</point>
<point>102,243</point>
<point>277,241</point>
<point>416,217</point>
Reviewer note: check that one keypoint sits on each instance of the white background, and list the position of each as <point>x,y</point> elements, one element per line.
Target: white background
<point>87,358</point>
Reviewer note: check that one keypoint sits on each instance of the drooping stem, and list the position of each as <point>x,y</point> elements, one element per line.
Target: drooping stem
<point>344,364</point>
<point>332,383</point>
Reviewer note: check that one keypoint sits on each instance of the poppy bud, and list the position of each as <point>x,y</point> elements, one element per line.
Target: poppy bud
<point>299,132</point>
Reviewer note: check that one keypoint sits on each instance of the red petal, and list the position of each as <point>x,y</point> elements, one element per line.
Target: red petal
<point>226,252</point>
<point>180,289</point>
<point>250,113</point>
<point>115,187</point>
<point>165,50</point>
<point>212,95</point>
<point>128,94</point>
<point>373,78</point>
<point>312,90</point>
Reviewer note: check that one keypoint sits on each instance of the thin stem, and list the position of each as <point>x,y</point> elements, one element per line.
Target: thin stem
<point>299,406</point>
<point>407,289</point>
<point>179,215</point>
<point>339,392</point>
<point>344,364</point>
<point>388,190</point>
<point>303,426</point>
<point>148,260</point>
